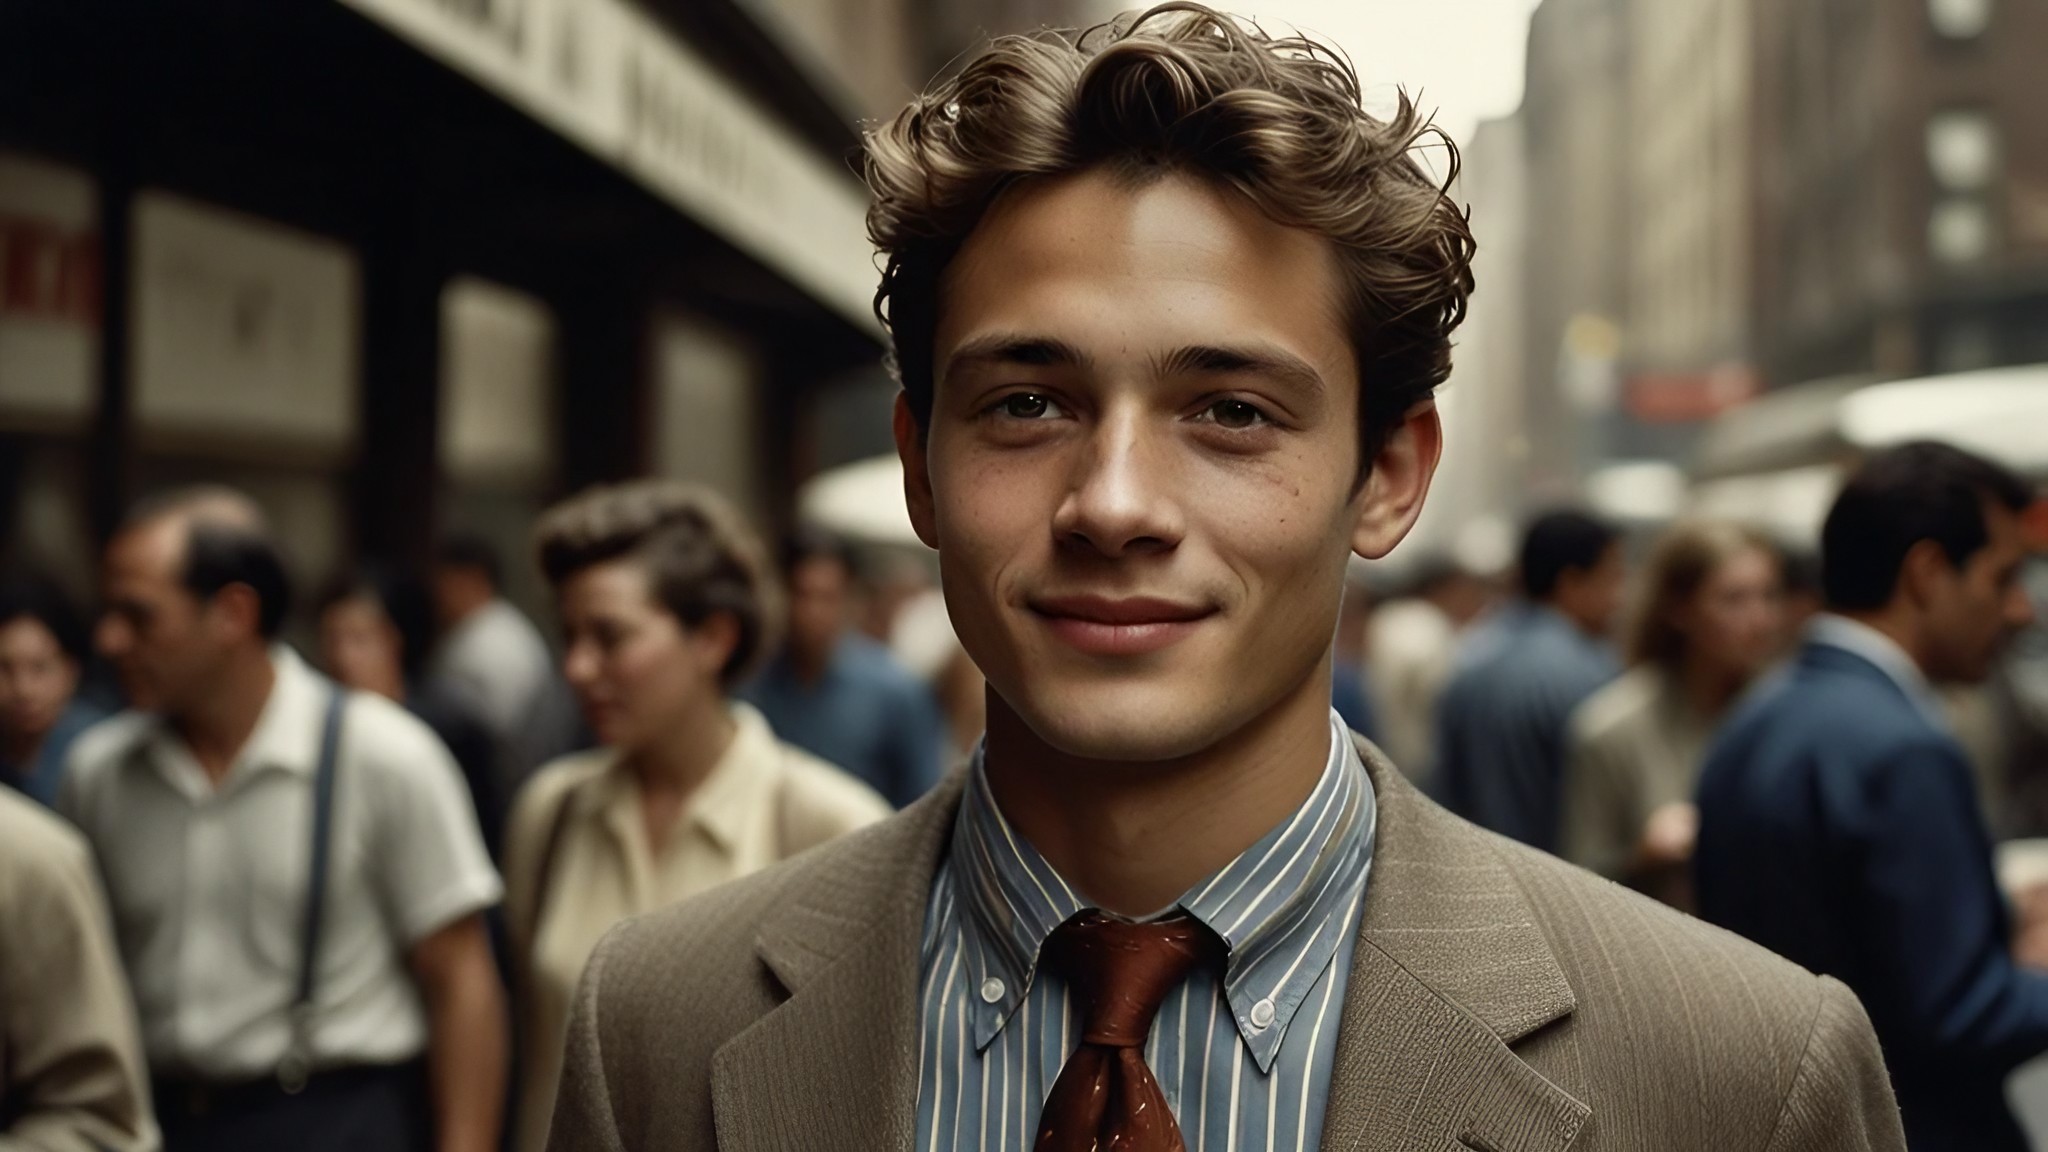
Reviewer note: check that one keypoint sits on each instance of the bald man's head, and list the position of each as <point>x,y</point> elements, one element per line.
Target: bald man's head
<point>223,539</point>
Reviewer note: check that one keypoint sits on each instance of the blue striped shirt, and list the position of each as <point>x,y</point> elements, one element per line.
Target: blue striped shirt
<point>1245,1060</point>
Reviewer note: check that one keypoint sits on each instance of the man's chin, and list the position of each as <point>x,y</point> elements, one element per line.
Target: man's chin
<point>1135,723</point>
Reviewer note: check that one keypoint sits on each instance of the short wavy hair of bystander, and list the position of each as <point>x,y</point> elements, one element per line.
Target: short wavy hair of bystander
<point>1181,88</point>
<point>700,557</point>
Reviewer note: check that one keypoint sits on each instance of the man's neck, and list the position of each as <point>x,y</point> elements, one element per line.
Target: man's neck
<point>216,729</point>
<point>810,667</point>
<point>21,748</point>
<point>1134,837</point>
<point>1898,626</point>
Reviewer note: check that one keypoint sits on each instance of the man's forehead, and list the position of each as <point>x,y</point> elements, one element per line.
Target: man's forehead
<point>153,547</point>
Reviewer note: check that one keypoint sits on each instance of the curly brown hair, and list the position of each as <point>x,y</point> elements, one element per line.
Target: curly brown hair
<point>1181,88</point>
<point>699,555</point>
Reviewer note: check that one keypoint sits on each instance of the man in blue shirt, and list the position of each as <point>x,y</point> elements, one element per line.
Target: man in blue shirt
<point>1501,722</point>
<point>840,696</point>
<point>1839,820</point>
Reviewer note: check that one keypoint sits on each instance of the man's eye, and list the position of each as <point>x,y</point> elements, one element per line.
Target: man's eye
<point>1029,406</point>
<point>1234,414</point>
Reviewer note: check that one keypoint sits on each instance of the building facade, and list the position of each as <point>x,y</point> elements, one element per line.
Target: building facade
<point>1902,189</point>
<point>402,267</point>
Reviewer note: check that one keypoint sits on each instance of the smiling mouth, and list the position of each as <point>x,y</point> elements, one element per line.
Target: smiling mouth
<point>1104,626</point>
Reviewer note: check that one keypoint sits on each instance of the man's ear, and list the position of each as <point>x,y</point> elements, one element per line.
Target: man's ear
<point>1392,496</point>
<point>1922,573</point>
<point>917,473</point>
<point>239,608</point>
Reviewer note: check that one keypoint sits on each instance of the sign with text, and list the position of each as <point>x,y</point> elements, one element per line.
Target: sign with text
<point>611,78</point>
<point>49,296</point>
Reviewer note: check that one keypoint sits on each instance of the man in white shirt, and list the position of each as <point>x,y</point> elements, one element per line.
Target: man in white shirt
<point>494,656</point>
<point>277,1012</point>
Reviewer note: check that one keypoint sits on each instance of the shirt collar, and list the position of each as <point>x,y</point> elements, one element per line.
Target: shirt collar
<point>726,806</point>
<point>286,736</point>
<point>1860,639</point>
<point>1281,906</point>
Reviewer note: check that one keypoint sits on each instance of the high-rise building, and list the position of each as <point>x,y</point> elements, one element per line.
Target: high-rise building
<point>1575,124</point>
<point>1688,346</point>
<point>1902,186</point>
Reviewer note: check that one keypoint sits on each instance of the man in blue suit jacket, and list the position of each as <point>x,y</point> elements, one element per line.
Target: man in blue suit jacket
<point>1839,821</point>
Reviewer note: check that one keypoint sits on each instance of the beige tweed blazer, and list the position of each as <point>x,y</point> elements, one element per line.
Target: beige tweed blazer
<point>1500,1000</point>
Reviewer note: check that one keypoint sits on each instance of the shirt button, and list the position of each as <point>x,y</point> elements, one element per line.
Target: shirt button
<point>992,989</point>
<point>1262,1014</point>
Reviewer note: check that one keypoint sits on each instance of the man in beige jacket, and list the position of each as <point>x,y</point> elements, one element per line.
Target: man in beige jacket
<point>1169,309</point>
<point>70,1062</point>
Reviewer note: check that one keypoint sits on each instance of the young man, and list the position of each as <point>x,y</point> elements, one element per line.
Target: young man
<point>1839,820</point>
<point>1168,309</point>
<point>1503,720</point>
<point>368,1017</point>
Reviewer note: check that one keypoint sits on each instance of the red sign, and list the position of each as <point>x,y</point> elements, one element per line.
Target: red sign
<point>47,273</point>
<point>1683,397</point>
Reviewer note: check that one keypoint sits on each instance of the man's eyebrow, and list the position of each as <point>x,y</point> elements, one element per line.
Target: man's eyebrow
<point>1262,359</point>
<point>1012,348</point>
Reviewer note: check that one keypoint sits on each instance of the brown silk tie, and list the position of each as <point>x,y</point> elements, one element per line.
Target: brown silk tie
<point>1106,1099</point>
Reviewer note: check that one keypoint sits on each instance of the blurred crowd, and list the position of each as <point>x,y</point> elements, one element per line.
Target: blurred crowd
<point>355,888</point>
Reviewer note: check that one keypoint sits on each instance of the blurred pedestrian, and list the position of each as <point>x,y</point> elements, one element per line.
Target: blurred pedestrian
<point>667,601</point>
<point>924,642</point>
<point>42,655</point>
<point>1349,693</point>
<point>1502,720</point>
<point>1710,621</point>
<point>297,877</point>
<point>494,655</point>
<point>836,693</point>
<point>376,630</point>
<point>1839,822</point>
<point>71,1074</point>
<point>1411,647</point>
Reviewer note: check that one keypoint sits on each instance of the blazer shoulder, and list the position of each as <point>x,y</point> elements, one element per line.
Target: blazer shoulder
<point>1681,1010</point>
<point>1590,921</point>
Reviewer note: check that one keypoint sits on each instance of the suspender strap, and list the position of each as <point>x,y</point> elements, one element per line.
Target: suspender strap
<point>298,1061</point>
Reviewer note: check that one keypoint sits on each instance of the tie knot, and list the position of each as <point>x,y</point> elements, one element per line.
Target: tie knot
<point>1121,971</point>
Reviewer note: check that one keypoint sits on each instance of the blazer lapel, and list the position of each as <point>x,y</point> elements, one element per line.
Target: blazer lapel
<point>835,1065</point>
<point>1450,970</point>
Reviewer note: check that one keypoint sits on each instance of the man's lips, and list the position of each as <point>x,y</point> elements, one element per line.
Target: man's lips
<point>1119,626</point>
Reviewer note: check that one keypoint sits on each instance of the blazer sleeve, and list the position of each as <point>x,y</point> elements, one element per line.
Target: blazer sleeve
<point>583,1120</point>
<point>1932,921</point>
<point>1841,1099</point>
<point>74,1075</point>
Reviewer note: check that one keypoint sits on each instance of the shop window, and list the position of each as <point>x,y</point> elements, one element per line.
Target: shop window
<point>497,386</point>
<point>1960,19</point>
<point>1961,231</point>
<point>1963,149</point>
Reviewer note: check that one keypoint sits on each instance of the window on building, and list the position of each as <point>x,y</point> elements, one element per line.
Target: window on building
<point>1960,232</point>
<point>1960,19</point>
<point>1962,149</point>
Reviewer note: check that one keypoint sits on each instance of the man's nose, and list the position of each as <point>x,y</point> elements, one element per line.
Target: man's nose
<point>1124,495</point>
<point>110,636</point>
<point>579,664</point>
<point>2019,608</point>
